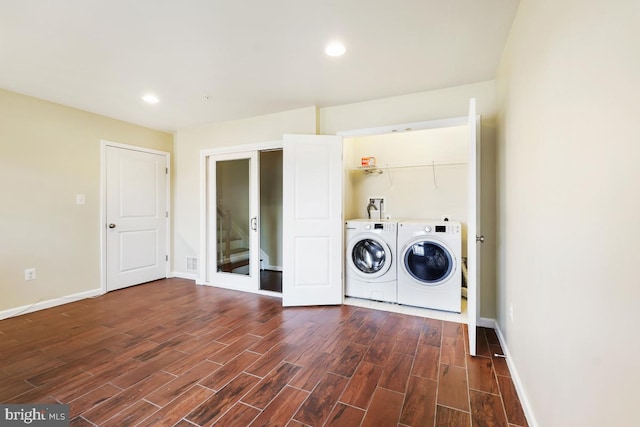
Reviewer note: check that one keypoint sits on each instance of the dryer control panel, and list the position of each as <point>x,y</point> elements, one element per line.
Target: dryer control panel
<point>448,228</point>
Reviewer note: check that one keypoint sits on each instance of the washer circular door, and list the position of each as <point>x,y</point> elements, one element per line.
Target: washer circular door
<point>428,262</point>
<point>368,256</point>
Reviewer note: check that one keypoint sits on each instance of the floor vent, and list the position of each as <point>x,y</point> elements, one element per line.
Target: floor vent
<point>192,263</point>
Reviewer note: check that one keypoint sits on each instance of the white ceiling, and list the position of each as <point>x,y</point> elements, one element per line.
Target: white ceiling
<point>216,60</point>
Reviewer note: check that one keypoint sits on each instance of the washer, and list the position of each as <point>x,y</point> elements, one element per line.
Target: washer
<point>430,264</point>
<point>370,259</point>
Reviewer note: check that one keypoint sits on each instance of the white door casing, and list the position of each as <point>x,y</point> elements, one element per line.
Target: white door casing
<point>249,281</point>
<point>312,217</point>
<point>473,251</point>
<point>136,215</point>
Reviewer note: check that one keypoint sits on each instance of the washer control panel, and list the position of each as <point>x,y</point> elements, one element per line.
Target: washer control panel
<point>383,226</point>
<point>373,226</point>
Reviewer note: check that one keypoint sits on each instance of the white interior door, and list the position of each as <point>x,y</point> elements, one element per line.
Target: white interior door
<point>312,217</point>
<point>473,233</point>
<point>233,222</point>
<point>136,216</point>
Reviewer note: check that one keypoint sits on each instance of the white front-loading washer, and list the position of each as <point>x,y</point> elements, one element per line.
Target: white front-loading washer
<point>430,264</point>
<point>370,260</point>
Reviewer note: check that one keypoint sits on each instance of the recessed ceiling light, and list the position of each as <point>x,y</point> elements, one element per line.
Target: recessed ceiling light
<point>335,48</point>
<point>150,99</point>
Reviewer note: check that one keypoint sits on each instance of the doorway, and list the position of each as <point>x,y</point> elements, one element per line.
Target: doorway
<point>244,193</point>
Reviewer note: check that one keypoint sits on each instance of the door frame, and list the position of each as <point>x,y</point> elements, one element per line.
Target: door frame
<point>235,281</point>
<point>103,204</point>
<point>202,276</point>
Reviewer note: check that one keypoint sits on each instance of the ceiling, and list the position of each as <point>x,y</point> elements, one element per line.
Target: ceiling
<point>216,60</point>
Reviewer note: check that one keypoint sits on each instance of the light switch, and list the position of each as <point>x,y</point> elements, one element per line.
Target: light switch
<point>80,199</point>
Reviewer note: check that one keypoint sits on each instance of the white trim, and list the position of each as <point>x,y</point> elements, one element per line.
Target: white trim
<point>41,305</point>
<point>103,205</point>
<point>181,275</point>
<point>203,233</point>
<point>105,142</point>
<point>517,382</point>
<point>487,322</point>
<point>406,127</point>
<point>261,146</point>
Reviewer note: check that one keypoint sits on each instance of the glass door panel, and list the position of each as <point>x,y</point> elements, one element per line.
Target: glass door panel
<point>232,217</point>
<point>233,220</point>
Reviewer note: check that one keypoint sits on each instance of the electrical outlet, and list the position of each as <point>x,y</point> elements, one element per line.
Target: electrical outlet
<point>30,274</point>
<point>511,312</point>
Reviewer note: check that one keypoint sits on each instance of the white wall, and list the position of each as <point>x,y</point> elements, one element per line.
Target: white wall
<point>569,198</point>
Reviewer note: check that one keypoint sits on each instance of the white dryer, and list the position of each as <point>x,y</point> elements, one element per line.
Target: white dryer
<point>430,264</point>
<point>371,260</point>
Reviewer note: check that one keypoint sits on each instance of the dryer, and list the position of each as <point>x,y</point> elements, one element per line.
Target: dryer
<point>430,264</point>
<point>370,259</point>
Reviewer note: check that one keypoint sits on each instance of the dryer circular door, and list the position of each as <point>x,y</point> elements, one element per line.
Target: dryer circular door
<point>368,256</point>
<point>428,262</point>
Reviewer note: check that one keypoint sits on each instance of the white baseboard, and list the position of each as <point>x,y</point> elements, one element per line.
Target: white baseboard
<point>522,394</point>
<point>487,322</point>
<point>41,305</point>
<point>273,267</point>
<point>181,275</point>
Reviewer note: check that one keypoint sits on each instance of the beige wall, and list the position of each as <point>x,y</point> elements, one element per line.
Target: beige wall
<point>569,198</point>
<point>434,105</point>
<point>48,154</point>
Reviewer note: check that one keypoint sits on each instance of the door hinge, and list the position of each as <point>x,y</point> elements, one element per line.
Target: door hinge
<point>166,258</point>
<point>167,214</point>
<point>166,171</point>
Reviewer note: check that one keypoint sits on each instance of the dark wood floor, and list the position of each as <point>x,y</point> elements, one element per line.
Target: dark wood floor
<point>271,280</point>
<point>173,353</point>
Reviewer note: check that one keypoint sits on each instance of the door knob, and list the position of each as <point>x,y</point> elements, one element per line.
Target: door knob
<point>480,239</point>
<point>112,225</point>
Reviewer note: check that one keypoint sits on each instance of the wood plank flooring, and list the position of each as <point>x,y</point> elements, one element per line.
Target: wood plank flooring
<point>172,353</point>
